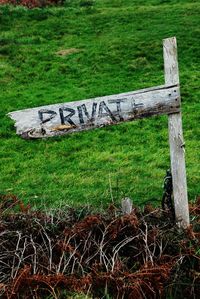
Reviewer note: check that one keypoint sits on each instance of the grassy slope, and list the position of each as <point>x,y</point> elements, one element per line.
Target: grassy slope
<point>121,50</point>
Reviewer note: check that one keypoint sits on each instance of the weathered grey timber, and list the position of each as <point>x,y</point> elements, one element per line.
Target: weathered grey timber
<point>127,206</point>
<point>76,116</point>
<point>176,142</point>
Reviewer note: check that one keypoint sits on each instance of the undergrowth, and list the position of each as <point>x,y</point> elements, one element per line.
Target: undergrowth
<point>32,3</point>
<point>59,253</point>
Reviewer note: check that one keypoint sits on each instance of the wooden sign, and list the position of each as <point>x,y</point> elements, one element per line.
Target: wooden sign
<point>76,116</point>
<point>68,117</point>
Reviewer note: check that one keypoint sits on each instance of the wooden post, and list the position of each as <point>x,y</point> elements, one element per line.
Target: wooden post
<point>127,206</point>
<point>177,152</point>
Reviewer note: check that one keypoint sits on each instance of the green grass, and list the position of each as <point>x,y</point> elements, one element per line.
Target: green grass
<point>121,50</point>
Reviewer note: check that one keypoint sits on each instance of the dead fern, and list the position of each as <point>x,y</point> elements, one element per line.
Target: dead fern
<point>140,255</point>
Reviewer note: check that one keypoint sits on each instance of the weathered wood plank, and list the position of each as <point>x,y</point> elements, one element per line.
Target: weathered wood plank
<point>127,206</point>
<point>176,138</point>
<point>65,118</point>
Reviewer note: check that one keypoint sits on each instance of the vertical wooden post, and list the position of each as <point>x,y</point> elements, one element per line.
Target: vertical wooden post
<point>177,152</point>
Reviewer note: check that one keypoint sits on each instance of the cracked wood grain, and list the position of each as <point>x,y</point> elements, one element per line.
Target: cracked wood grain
<point>177,152</point>
<point>69,117</point>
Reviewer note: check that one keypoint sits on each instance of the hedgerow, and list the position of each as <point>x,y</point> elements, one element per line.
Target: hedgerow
<point>32,3</point>
<point>138,255</point>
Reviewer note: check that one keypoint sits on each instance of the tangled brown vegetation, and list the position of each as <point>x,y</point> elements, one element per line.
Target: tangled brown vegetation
<point>140,255</point>
<point>32,3</point>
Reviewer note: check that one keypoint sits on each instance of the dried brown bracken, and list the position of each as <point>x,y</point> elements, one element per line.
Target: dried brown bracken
<point>32,3</point>
<point>139,255</point>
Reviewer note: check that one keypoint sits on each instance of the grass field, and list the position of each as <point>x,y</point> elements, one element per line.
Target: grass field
<point>119,47</point>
